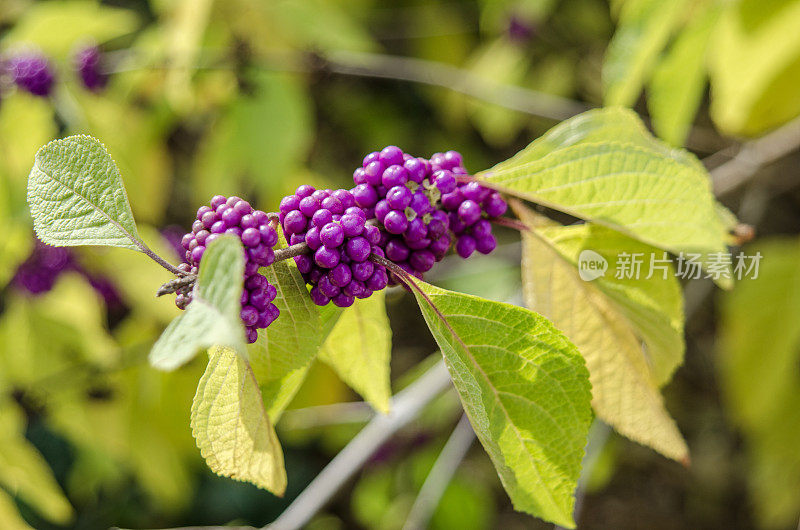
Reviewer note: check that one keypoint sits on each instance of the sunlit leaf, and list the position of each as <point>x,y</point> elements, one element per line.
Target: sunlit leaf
<point>259,139</point>
<point>758,359</point>
<point>25,473</point>
<point>676,88</point>
<point>56,27</point>
<point>526,391</point>
<point>77,197</point>
<point>359,349</point>
<point>754,65</point>
<point>630,331</point>
<point>232,427</point>
<point>643,30</point>
<point>10,519</point>
<point>212,317</point>
<point>602,166</point>
<point>283,353</point>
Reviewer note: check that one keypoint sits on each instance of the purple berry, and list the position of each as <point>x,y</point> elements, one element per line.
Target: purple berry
<point>358,249</point>
<point>331,235</point>
<point>494,205</point>
<point>340,275</point>
<point>469,212</point>
<point>327,257</point>
<point>251,237</point>
<point>394,176</point>
<point>304,191</point>
<point>485,244</point>
<point>395,222</point>
<point>321,217</point>
<point>342,300</point>
<point>399,197</point>
<point>391,155</point>
<point>288,203</point>
<point>294,222</point>
<point>444,180</point>
<point>465,246</point>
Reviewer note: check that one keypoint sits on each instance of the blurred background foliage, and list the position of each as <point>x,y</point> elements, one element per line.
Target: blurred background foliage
<point>248,97</point>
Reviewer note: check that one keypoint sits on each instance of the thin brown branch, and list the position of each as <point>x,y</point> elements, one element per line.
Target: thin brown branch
<point>453,78</point>
<point>754,155</point>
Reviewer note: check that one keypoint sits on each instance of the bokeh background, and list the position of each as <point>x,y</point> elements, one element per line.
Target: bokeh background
<point>254,97</point>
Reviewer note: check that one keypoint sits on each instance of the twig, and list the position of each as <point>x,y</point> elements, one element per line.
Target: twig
<point>323,415</point>
<point>177,284</point>
<point>405,407</point>
<point>753,156</point>
<point>440,476</point>
<point>455,79</point>
<point>292,251</point>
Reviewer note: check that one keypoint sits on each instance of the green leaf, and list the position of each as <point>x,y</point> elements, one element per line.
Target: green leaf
<point>630,331</point>
<point>500,62</point>
<point>232,427</point>
<point>359,349</point>
<point>56,27</point>
<point>676,88</point>
<point>597,126</point>
<point>10,519</point>
<point>758,359</point>
<point>616,176</point>
<point>261,138</point>
<point>25,473</point>
<point>212,317</point>
<point>283,353</point>
<point>76,196</point>
<point>643,30</point>
<point>526,391</point>
<point>754,66</point>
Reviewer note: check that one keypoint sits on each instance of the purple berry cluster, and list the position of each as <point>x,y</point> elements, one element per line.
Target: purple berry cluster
<point>469,207</point>
<point>232,215</point>
<point>89,65</point>
<point>32,72</point>
<point>420,202</point>
<point>39,272</point>
<point>341,241</point>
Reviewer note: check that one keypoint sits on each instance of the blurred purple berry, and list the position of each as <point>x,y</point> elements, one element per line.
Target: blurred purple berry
<point>32,72</point>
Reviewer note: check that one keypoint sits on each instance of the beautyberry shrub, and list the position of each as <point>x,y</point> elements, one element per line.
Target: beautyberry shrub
<point>232,215</point>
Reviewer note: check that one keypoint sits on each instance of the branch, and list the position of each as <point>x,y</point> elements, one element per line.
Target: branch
<point>406,405</point>
<point>440,475</point>
<point>323,415</point>
<point>452,78</point>
<point>754,155</point>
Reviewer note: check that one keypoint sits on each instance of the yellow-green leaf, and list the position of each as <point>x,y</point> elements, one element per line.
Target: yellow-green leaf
<point>676,88</point>
<point>609,320</point>
<point>10,519</point>
<point>643,30</point>
<point>758,359</point>
<point>359,349</point>
<point>232,427</point>
<point>525,389</point>
<point>24,472</point>
<point>212,317</point>
<point>282,355</point>
<point>754,66</point>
